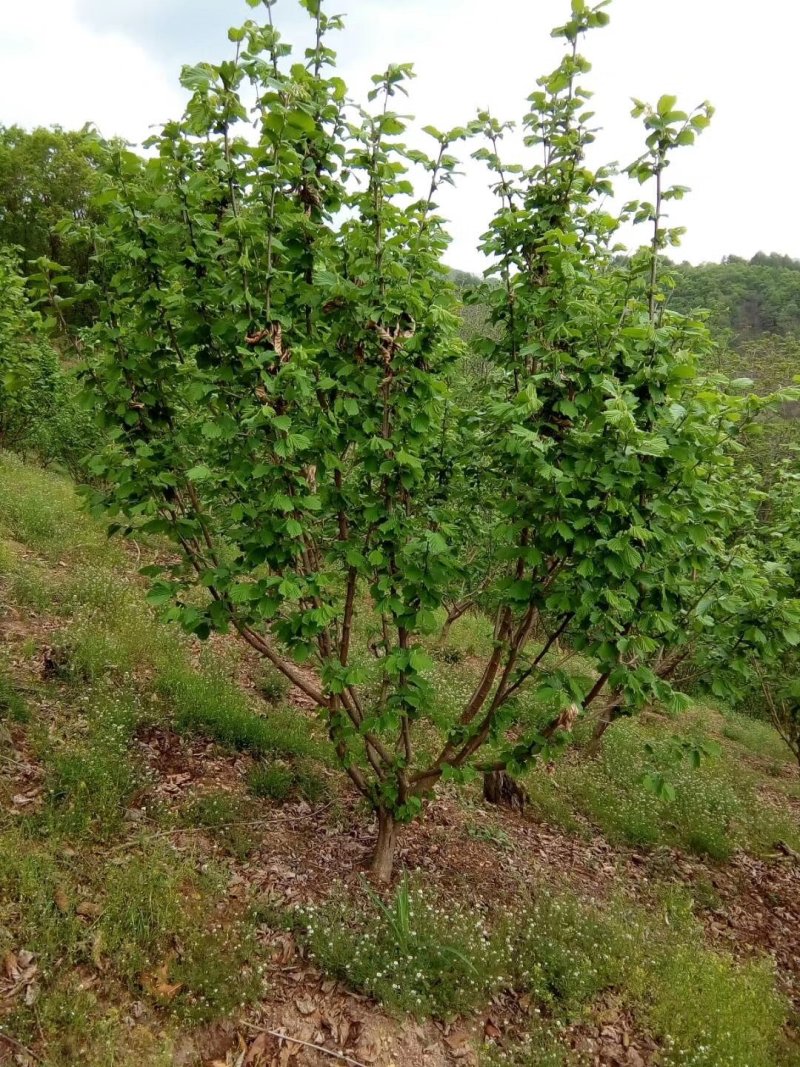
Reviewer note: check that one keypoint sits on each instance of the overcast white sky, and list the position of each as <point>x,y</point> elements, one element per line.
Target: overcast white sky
<point>116,63</point>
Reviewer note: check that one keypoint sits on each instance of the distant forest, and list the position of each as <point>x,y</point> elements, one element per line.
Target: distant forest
<point>746,299</point>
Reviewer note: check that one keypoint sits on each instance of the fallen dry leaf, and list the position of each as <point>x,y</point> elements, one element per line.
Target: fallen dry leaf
<point>158,985</point>
<point>490,1030</point>
<point>305,1005</point>
<point>88,909</point>
<point>457,1040</point>
<point>257,1053</point>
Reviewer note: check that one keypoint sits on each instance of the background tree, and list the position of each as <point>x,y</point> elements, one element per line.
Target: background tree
<point>746,298</point>
<point>46,180</point>
<point>39,411</point>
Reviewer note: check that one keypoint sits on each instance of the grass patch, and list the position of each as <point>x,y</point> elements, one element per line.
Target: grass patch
<point>542,1047</point>
<point>430,957</point>
<point>757,736</point>
<point>715,808</point>
<point>709,1013</point>
<point>218,972</point>
<point>119,639</point>
<point>91,778</point>
<point>281,781</point>
<point>412,954</point>
<point>37,895</point>
<point>41,510</point>
<point>207,702</point>
<point>13,706</point>
<point>144,911</point>
<point>223,816</point>
<point>492,835</point>
<point>79,1028</point>
<point>161,931</point>
<point>271,684</point>
<point>88,788</point>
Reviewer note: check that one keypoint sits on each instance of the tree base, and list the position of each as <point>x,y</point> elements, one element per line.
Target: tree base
<point>500,788</point>
<point>383,857</point>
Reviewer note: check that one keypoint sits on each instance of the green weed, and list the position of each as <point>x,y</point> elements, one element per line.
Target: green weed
<point>223,816</point>
<point>28,587</point>
<point>78,1028</point>
<point>120,639</point>
<point>145,909</point>
<point>218,971</point>
<point>562,952</point>
<point>757,736</point>
<point>91,779</point>
<point>13,706</point>
<point>160,930</point>
<point>88,789</point>
<point>206,702</point>
<point>542,1047</point>
<point>413,954</point>
<point>493,835</point>
<point>37,898</point>
<point>471,635</point>
<point>40,509</point>
<point>427,957</point>
<point>714,809</point>
<point>710,1013</point>
<point>277,780</point>
<point>272,684</point>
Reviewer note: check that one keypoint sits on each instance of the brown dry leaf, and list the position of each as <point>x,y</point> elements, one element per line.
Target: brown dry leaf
<point>284,950</point>
<point>288,1052</point>
<point>257,1053</point>
<point>490,1030</point>
<point>98,949</point>
<point>88,909</point>
<point>368,1048</point>
<point>305,1005</point>
<point>157,982</point>
<point>343,1033</point>
<point>457,1040</point>
<point>11,965</point>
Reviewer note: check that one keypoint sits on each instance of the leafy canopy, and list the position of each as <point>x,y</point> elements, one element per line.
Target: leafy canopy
<point>276,368</point>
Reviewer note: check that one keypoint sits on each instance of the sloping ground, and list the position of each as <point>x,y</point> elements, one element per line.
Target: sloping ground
<point>169,813</point>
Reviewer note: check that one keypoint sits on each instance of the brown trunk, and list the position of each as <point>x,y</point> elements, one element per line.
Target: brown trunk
<point>383,856</point>
<point>500,788</point>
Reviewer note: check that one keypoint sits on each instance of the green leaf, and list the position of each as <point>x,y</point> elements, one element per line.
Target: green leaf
<point>666,104</point>
<point>199,473</point>
<point>197,78</point>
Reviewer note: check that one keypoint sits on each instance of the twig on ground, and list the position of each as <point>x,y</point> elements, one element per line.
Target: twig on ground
<point>132,841</point>
<point>18,1044</point>
<point>306,1044</point>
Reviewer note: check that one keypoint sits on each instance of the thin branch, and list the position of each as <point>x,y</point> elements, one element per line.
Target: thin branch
<point>261,645</point>
<point>29,1052</point>
<point>306,1044</point>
